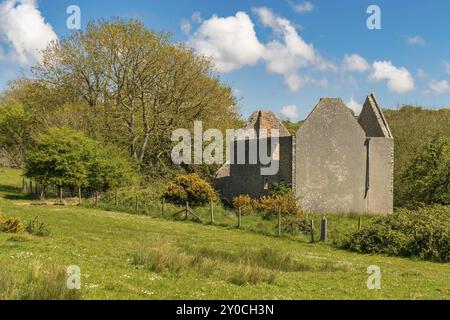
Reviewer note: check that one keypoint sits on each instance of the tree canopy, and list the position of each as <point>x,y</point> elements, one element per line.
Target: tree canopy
<point>67,158</point>
<point>137,85</point>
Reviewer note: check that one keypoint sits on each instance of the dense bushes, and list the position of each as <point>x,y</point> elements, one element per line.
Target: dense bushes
<point>287,203</point>
<point>269,205</point>
<point>190,187</point>
<point>421,157</point>
<point>424,233</point>
<point>64,157</point>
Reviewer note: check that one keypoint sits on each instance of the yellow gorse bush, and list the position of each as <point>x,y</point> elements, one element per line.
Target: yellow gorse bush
<point>245,203</point>
<point>13,225</point>
<point>190,187</point>
<point>287,203</point>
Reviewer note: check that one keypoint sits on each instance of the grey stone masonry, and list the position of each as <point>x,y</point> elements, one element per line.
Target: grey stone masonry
<point>336,163</point>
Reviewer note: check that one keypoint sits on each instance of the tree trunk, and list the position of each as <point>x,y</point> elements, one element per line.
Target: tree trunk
<point>24,186</point>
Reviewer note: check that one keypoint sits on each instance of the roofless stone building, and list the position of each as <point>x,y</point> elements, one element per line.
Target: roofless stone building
<point>336,162</point>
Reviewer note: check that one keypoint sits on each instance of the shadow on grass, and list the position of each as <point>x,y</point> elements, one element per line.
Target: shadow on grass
<point>13,193</point>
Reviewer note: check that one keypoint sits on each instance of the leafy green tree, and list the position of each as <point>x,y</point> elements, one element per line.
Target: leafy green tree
<point>15,133</point>
<point>61,158</point>
<point>428,176</point>
<point>413,129</point>
<point>111,169</point>
<point>138,85</point>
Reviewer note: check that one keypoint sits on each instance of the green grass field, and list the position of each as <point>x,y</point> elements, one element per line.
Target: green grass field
<point>125,256</point>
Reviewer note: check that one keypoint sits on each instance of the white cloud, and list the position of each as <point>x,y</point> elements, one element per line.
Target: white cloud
<point>439,87</point>
<point>421,73</point>
<point>196,17</point>
<point>305,6</point>
<point>446,66</point>
<point>354,106</point>
<point>415,40</point>
<point>354,62</point>
<point>290,112</point>
<point>24,30</point>
<point>185,26</point>
<point>288,52</point>
<point>399,80</point>
<point>231,41</point>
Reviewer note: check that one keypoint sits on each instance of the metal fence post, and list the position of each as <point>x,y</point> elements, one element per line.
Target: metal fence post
<point>324,229</point>
<point>279,221</point>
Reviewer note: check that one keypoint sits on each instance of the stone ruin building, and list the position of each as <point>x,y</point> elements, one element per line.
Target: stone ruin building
<point>335,163</point>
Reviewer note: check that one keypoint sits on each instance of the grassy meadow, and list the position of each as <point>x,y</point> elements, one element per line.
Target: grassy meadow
<point>132,256</point>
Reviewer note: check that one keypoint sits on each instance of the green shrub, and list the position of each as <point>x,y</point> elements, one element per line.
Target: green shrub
<point>37,228</point>
<point>423,233</point>
<point>245,203</point>
<point>280,189</point>
<point>190,188</point>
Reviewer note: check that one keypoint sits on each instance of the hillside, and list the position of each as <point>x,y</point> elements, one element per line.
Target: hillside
<point>202,262</point>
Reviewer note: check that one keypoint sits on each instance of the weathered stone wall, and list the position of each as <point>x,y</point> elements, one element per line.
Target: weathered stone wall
<point>331,160</point>
<point>336,163</point>
<point>380,194</point>
<point>236,179</point>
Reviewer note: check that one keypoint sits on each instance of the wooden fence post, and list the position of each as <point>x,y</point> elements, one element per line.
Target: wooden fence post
<point>239,218</point>
<point>186,211</point>
<point>279,221</point>
<point>116,200</point>
<point>24,185</point>
<point>79,196</point>
<point>312,231</point>
<point>60,194</point>
<point>212,211</point>
<point>163,204</point>
<point>324,229</point>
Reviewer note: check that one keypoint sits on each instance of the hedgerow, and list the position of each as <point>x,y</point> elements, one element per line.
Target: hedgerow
<point>422,233</point>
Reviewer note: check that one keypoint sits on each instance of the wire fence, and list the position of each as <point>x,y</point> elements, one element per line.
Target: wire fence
<point>144,201</point>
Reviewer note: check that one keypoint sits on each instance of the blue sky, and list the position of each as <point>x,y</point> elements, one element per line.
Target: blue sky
<point>286,54</point>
